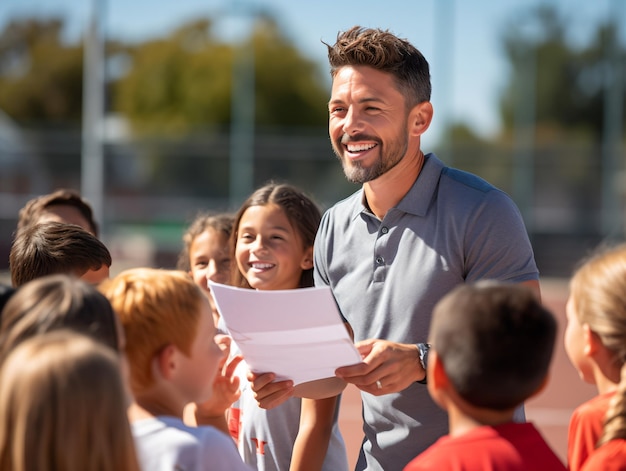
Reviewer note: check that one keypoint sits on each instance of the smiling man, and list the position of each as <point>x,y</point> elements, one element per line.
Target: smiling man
<point>415,230</point>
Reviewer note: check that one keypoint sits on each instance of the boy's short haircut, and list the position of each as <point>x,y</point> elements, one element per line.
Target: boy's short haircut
<point>157,308</point>
<point>55,247</point>
<point>30,212</point>
<point>495,342</point>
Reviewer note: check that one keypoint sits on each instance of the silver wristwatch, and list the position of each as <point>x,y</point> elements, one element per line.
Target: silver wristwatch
<point>423,349</point>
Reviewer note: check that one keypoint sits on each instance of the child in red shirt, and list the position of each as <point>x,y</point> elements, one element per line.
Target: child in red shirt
<point>491,349</point>
<point>595,341</point>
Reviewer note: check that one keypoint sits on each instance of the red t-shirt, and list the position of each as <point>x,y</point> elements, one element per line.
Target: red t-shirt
<point>585,428</point>
<point>609,457</point>
<point>507,447</point>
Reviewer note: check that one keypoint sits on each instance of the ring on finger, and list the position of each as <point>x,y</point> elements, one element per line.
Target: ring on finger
<point>379,385</point>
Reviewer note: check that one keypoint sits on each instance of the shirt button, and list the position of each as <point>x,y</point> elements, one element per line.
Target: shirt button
<point>380,260</point>
<point>384,229</point>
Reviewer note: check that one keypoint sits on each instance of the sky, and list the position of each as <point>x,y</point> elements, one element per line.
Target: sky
<point>459,38</point>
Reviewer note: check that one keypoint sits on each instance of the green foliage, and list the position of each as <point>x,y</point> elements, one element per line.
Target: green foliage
<point>289,89</point>
<point>173,84</point>
<point>40,77</point>
<point>176,82</point>
<point>185,81</point>
<point>568,82</point>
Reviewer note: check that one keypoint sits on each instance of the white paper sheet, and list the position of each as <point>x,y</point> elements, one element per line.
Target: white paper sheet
<point>297,334</point>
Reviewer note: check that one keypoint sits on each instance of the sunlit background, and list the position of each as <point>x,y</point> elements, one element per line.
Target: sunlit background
<point>158,109</point>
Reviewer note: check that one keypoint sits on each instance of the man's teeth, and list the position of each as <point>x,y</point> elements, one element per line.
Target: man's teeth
<point>359,147</point>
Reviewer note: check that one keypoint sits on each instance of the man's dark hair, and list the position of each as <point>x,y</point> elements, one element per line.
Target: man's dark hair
<point>495,342</point>
<point>383,51</point>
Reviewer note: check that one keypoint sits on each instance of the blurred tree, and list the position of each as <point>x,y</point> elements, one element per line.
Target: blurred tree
<point>40,76</point>
<point>569,82</point>
<point>290,89</point>
<point>175,82</point>
<point>184,81</point>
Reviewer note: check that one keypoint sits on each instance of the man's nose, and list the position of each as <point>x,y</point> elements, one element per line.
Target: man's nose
<point>352,122</point>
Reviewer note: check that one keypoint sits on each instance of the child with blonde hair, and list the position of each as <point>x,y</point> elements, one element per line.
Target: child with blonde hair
<point>63,407</point>
<point>173,361</point>
<point>595,341</point>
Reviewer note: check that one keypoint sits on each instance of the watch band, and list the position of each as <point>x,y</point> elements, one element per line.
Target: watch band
<point>423,349</point>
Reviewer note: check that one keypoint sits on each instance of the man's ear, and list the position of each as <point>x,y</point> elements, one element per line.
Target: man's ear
<point>420,118</point>
<point>307,259</point>
<point>166,361</point>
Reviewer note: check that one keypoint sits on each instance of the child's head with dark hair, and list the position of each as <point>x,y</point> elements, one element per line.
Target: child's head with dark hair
<point>218,224</point>
<point>62,205</point>
<point>56,247</point>
<point>206,252</point>
<point>58,302</point>
<point>494,342</point>
<point>287,227</point>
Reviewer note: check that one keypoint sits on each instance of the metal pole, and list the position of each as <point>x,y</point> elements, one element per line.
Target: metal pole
<point>242,124</point>
<point>242,108</point>
<point>92,168</point>
<point>524,136</point>
<point>611,131</point>
<point>444,20</point>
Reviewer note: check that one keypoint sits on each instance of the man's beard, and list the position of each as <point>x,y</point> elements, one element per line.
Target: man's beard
<point>355,172</point>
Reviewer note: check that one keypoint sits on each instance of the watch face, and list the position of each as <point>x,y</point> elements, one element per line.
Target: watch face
<point>423,349</point>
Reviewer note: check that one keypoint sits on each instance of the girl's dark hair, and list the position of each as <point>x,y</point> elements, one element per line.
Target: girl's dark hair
<point>219,222</point>
<point>303,214</point>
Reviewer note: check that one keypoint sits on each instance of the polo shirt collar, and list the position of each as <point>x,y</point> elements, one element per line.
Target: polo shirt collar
<point>419,197</point>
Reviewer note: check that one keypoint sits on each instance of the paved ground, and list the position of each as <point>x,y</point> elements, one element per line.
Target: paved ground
<point>550,411</point>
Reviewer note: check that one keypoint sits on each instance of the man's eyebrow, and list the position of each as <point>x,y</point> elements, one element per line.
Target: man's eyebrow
<point>360,101</point>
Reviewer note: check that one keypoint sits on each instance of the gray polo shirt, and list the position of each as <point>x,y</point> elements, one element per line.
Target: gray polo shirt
<point>451,227</point>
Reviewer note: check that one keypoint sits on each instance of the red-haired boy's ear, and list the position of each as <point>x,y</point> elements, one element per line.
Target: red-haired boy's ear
<point>165,361</point>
